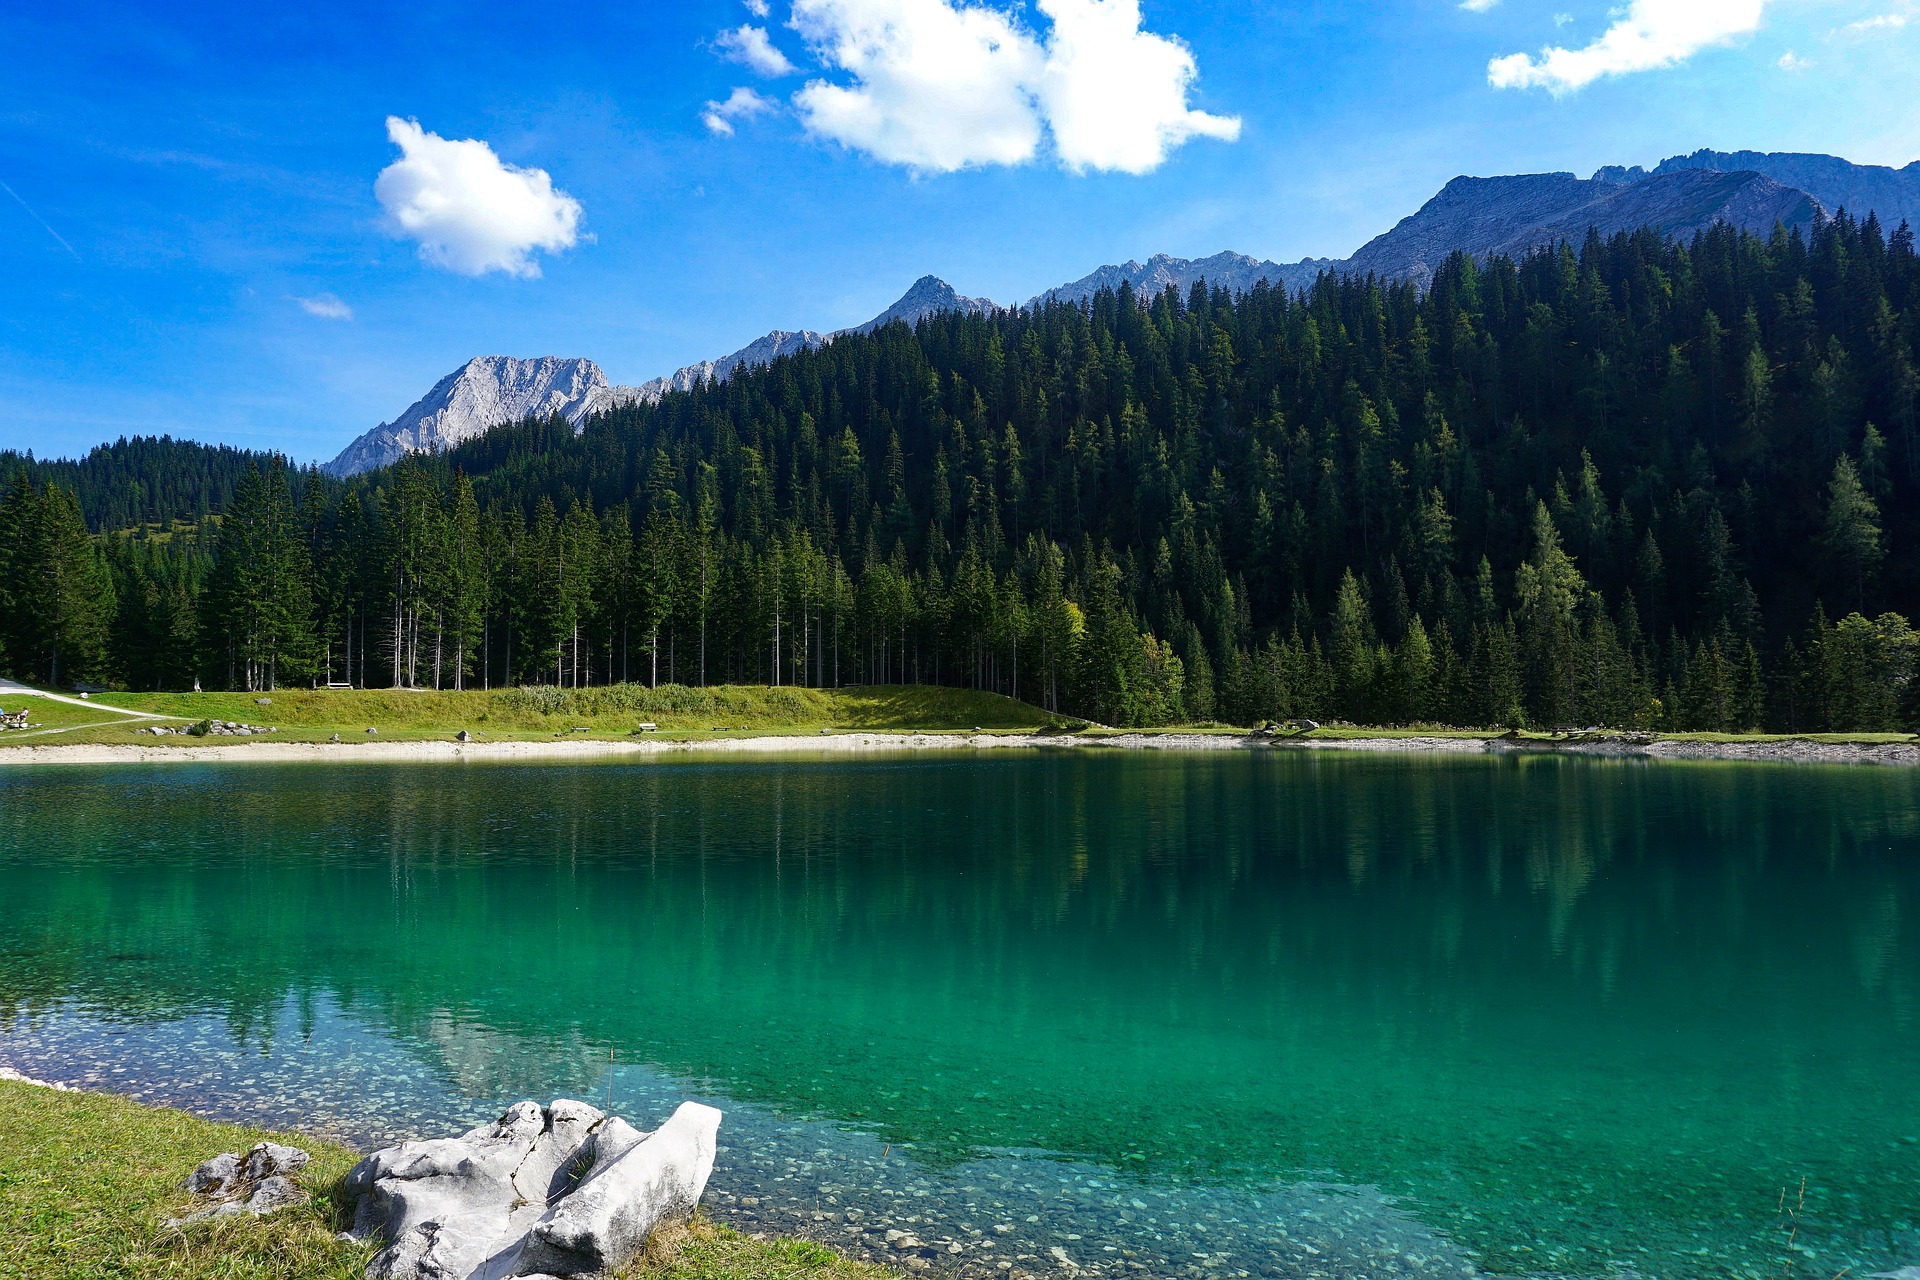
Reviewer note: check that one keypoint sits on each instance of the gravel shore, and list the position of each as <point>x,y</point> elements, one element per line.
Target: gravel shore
<point>1790,750</point>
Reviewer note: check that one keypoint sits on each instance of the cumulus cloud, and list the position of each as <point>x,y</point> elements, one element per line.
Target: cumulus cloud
<point>939,86</point>
<point>326,306</point>
<point>750,47</point>
<point>934,86</point>
<point>469,211</point>
<point>741,104</point>
<point>758,8</point>
<point>1651,34</point>
<point>1791,61</point>
<point>1115,96</point>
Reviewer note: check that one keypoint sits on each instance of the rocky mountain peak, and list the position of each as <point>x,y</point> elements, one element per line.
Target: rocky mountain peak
<point>481,394</point>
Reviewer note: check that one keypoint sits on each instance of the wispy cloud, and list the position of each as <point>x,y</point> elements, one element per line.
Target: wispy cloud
<point>758,8</point>
<point>469,211</point>
<point>1651,34</point>
<point>751,47</point>
<point>1478,6</point>
<point>58,238</point>
<point>326,306</point>
<point>1791,61</point>
<point>741,104</point>
<point>1880,22</point>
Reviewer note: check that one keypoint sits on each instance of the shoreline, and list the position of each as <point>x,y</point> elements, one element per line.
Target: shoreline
<point>1780,750</point>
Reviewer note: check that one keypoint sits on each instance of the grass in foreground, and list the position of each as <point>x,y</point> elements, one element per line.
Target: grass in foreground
<point>87,1178</point>
<point>310,715</point>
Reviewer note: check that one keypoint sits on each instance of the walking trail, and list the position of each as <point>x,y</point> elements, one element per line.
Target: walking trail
<point>13,688</point>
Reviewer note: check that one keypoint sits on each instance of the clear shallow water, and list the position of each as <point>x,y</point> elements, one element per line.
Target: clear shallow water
<point>1277,1014</point>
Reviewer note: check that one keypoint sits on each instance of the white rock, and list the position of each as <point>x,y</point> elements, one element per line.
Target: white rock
<point>636,1182</point>
<point>563,1190</point>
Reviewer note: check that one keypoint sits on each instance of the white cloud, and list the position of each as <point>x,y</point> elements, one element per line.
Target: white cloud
<point>1791,61</point>
<point>741,104</point>
<point>1562,19</point>
<point>758,8</point>
<point>1478,6</point>
<point>935,87</point>
<point>1881,22</point>
<point>326,306</point>
<point>938,85</point>
<point>470,212</point>
<point>750,47</point>
<point>1114,95</point>
<point>1649,35</point>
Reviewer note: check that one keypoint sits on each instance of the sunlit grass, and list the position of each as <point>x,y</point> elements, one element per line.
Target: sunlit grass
<point>88,1179</point>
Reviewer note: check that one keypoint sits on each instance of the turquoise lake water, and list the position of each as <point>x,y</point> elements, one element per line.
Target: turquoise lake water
<point>1272,1013</point>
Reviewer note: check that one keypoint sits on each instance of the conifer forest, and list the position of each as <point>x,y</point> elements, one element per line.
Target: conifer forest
<point>1627,482</point>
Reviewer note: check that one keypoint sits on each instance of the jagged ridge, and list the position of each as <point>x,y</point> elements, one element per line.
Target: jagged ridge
<point>1482,216</point>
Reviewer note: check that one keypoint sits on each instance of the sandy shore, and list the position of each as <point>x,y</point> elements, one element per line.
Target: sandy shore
<point>1793,750</point>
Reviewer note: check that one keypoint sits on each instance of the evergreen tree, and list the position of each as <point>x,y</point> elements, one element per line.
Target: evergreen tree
<point>1852,535</point>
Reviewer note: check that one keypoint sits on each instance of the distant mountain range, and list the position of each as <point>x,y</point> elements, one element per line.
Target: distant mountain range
<point>489,390</point>
<point>1482,216</point>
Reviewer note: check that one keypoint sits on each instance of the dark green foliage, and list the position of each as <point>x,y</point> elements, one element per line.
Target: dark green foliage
<point>56,598</point>
<point>145,480</point>
<point>1604,486</point>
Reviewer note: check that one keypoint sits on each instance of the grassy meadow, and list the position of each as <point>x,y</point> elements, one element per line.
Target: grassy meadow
<point>88,1179</point>
<point>523,714</point>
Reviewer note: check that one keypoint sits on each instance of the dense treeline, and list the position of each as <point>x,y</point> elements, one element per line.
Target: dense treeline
<point>145,480</point>
<point>1635,483</point>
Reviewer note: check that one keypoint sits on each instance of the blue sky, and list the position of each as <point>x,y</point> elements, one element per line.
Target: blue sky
<point>180,177</point>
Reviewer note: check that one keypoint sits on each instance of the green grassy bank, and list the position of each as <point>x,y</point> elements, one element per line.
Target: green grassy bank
<point>678,712</point>
<point>314,715</point>
<point>86,1180</point>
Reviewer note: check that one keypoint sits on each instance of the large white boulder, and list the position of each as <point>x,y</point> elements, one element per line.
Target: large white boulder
<point>563,1190</point>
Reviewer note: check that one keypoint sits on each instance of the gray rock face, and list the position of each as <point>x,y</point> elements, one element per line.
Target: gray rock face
<point>1508,215</point>
<point>1485,216</point>
<point>1893,195</point>
<point>760,351</point>
<point>1233,271</point>
<point>929,295</point>
<point>478,396</point>
<point>563,1190</point>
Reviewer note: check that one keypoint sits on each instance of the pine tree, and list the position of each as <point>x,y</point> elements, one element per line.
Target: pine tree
<point>1852,538</point>
<point>59,595</point>
<point>260,601</point>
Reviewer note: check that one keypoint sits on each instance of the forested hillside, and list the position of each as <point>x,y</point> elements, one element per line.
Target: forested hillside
<point>1629,482</point>
<point>145,480</point>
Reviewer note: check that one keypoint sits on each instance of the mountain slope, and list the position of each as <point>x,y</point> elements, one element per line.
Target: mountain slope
<point>1234,271</point>
<point>482,393</point>
<point>1510,215</point>
<point>928,295</point>
<point>1480,216</point>
<point>1893,194</point>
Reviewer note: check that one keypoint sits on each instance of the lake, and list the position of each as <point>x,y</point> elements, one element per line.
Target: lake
<point>1253,1013</point>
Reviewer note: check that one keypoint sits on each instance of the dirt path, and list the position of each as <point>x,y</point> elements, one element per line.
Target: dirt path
<point>15,687</point>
